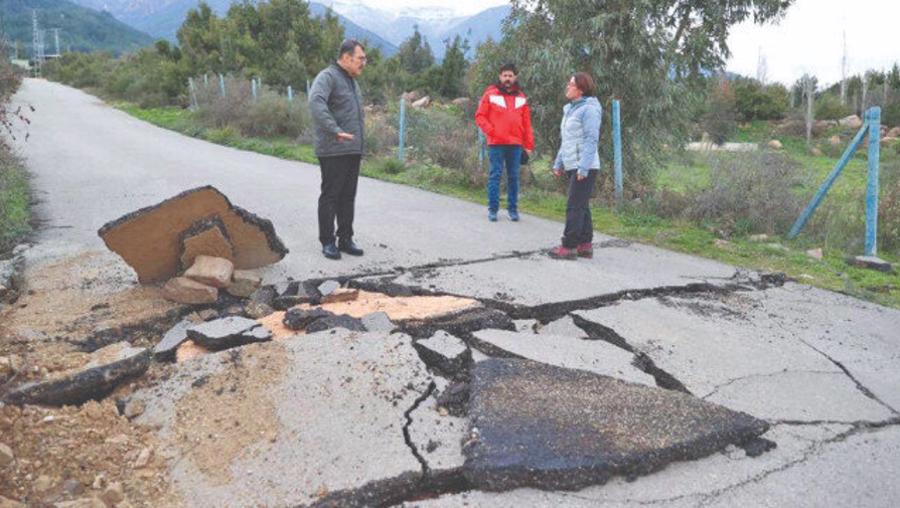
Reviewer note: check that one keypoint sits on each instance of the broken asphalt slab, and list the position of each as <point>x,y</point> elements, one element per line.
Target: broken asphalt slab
<point>791,353</point>
<point>594,356</point>
<point>536,425</point>
<point>289,422</point>
<point>148,239</point>
<point>229,332</point>
<point>107,369</point>
<point>447,354</point>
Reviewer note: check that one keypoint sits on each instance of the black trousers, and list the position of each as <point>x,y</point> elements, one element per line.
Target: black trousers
<point>337,200</point>
<point>579,226</point>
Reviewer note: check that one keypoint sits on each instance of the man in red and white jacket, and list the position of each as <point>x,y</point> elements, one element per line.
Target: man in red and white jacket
<point>505,118</point>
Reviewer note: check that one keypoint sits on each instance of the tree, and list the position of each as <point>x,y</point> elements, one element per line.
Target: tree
<point>415,53</point>
<point>650,54</point>
<point>453,68</point>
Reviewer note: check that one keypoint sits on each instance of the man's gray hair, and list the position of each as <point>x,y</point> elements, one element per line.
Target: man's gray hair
<point>349,46</point>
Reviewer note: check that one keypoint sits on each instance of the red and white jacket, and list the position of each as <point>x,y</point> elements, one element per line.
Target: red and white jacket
<point>505,118</point>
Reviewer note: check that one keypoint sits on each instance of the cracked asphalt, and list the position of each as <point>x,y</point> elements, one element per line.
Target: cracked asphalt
<point>822,368</point>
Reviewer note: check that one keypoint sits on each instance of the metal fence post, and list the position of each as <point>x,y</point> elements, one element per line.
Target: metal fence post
<point>290,94</point>
<point>253,87</point>
<point>222,85</point>
<point>193,94</point>
<point>307,88</point>
<point>617,150</point>
<point>874,121</point>
<point>400,151</point>
<point>205,79</point>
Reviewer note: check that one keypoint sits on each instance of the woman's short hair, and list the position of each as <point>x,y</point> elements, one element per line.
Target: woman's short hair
<point>585,83</point>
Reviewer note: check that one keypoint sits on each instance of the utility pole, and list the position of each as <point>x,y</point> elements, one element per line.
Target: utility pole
<point>844,73</point>
<point>56,37</point>
<point>762,68</point>
<point>37,44</point>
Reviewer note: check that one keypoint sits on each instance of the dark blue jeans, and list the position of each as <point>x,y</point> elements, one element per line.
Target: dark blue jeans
<point>511,156</point>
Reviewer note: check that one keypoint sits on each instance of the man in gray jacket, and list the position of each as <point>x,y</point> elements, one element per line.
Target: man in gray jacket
<point>335,102</point>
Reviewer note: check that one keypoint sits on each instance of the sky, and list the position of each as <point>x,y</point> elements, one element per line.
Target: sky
<point>808,39</point>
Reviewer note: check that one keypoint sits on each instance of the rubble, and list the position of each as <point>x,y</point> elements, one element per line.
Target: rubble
<point>165,348</point>
<point>341,295</point>
<point>336,321</point>
<point>462,323</point>
<point>445,353</point>
<point>211,271</point>
<point>6,455</point>
<point>148,239</point>
<point>190,292</point>
<point>227,333</point>
<point>204,237</point>
<point>299,319</point>
<point>536,425</point>
<point>328,287</point>
<point>108,367</point>
<point>378,322</point>
<point>244,283</point>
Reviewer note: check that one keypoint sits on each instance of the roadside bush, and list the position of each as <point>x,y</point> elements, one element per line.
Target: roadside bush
<point>750,193</point>
<point>14,199</point>
<point>890,115</point>
<point>273,115</point>
<point>757,102</point>
<point>720,118</point>
<point>442,136</point>
<point>382,137</point>
<point>829,107</point>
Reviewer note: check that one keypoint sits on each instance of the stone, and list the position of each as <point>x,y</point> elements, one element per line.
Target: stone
<point>445,353</point>
<point>759,238</point>
<point>378,322</point>
<point>894,133</point>
<point>424,102</point>
<point>133,409</point>
<point>411,96</point>
<point>89,502</point>
<point>9,503</point>
<point>815,253</point>
<point>775,144</point>
<point>571,352</point>
<point>537,425</point>
<point>461,102</point>
<point>189,292</point>
<point>147,239</point>
<point>227,333</point>
<point>244,283</point>
<point>851,122</point>
<point>6,455</point>
<point>328,287</point>
<point>42,484</point>
<point>264,295</point>
<point>94,381</point>
<point>336,321</point>
<point>289,301</point>
<point>206,237</point>
<point>722,244</point>
<point>872,263</point>
<point>113,494</point>
<point>143,459</point>
<point>338,402</point>
<point>288,288</point>
<point>258,310</point>
<point>834,140</point>
<point>165,348</point>
<point>299,319</point>
<point>816,152</point>
<point>341,295</point>
<point>211,271</point>
<point>72,487</point>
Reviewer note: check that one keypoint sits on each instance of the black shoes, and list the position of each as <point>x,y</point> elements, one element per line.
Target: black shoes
<point>331,251</point>
<point>350,248</point>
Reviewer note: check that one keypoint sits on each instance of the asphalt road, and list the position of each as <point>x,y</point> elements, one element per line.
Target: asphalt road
<point>821,368</point>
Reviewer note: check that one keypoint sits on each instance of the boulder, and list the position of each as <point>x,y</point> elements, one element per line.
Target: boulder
<point>215,272</point>
<point>205,237</point>
<point>244,283</point>
<point>424,102</point>
<point>191,292</point>
<point>537,425</point>
<point>107,368</point>
<point>148,239</point>
<point>228,332</point>
<point>851,122</point>
<point>834,140</point>
<point>894,133</point>
<point>815,253</point>
<point>775,144</point>
<point>872,263</point>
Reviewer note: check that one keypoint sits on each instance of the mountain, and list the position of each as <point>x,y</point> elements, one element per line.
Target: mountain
<point>478,28</point>
<point>162,18</point>
<point>80,28</point>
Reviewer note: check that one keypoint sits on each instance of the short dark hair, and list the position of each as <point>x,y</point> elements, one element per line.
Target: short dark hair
<point>349,46</point>
<point>585,83</point>
<point>509,66</point>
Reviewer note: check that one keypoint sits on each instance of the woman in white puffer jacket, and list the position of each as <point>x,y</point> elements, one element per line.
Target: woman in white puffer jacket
<point>579,159</point>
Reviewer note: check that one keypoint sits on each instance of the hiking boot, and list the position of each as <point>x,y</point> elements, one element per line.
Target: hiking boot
<point>331,251</point>
<point>585,250</point>
<point>492,215</point>
<point>350,248</point>
<point>563,253</point>
<point>514,215</point>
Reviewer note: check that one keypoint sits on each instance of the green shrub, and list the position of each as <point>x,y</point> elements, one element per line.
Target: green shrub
<point>720,118</point>
<point>758,102</point>
<point>829,107</point>
<point>890,115</point>
<point>391,166</point>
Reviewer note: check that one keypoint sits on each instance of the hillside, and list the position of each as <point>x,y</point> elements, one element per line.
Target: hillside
<point>81,28</point>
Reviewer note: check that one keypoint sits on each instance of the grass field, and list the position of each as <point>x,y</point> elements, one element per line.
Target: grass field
<point>633,223</point>
<point>14,201</point>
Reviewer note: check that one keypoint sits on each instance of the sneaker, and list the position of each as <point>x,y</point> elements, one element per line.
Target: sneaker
<point>492,215</point>
<point>585,250</point>
<point>514,216</point>
<point>563,253</point>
